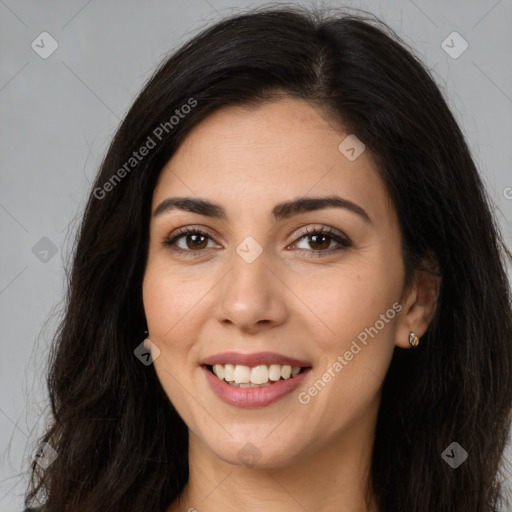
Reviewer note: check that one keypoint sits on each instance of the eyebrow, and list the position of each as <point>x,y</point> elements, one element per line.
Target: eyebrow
<point>280,211</point>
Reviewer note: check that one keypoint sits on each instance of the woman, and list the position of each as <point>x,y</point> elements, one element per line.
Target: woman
<point>288,290</point>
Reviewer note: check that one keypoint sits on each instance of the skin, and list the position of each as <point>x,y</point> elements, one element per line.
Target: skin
<point>313,456</point>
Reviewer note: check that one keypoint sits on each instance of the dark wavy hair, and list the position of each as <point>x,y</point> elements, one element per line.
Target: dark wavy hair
<point>121,444</point>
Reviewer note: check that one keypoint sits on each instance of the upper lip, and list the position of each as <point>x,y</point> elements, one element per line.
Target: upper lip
<point>254,359</point>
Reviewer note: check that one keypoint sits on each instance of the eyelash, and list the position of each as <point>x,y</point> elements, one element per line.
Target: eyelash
<point>343,241</point>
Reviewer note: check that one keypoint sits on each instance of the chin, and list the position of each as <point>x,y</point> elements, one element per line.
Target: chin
<point>251,452</point>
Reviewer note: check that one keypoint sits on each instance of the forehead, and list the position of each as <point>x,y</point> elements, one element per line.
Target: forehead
<point>280,149</point>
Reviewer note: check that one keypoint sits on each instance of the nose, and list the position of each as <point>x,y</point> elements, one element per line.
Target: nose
<point>252,295</point>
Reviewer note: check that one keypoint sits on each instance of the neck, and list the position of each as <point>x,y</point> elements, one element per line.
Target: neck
<point>330,477</point>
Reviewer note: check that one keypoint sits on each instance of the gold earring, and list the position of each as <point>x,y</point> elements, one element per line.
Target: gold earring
<point>413,340</point>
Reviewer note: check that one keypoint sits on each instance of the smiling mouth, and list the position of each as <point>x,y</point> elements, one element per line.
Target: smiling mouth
<point>254,377</point>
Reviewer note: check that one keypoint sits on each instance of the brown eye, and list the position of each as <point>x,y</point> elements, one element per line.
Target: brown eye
<point>196,241</point>
<point>188,240</point>
<point>320,240</point>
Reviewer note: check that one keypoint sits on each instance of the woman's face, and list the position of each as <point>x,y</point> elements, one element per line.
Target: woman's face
<point>264,283</point>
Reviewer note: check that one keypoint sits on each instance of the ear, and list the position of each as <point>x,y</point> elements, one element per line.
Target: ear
<point>419,303</point>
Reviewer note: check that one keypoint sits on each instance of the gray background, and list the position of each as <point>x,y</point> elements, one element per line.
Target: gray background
<point>57,116</point>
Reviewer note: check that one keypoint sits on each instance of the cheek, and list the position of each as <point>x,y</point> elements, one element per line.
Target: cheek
<point>351,299</point>
<point>169,300</point>
<point>167,307</point>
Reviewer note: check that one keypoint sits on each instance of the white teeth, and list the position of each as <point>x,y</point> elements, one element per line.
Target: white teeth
<point>286,371</point>
<point>249,385</point>
<point>274,372</point>
<point>242,374</point>
<point>218,369</point>
<point>229,372</point>
<point>257,376</point>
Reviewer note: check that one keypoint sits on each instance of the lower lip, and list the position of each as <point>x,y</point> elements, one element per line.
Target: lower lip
<point>251,398</point>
